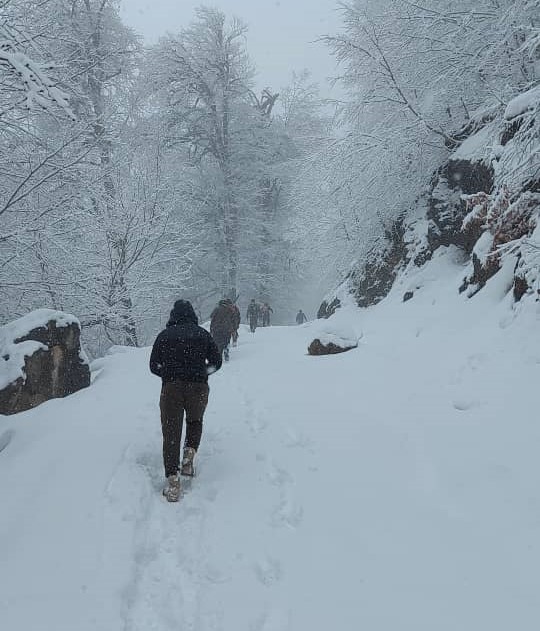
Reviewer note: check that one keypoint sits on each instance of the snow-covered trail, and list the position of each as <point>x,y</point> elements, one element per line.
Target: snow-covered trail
<point>392,487</point>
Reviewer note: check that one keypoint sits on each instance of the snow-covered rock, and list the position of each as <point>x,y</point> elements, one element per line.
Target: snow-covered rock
<point>527,101</point>
<point>40,359</point>
<point>331,339</point>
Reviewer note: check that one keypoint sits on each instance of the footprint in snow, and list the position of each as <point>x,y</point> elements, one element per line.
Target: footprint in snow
<point>268,571</point>
<point>273,620</point>
<point>278,476</point>
<point>295,440</point>
<point>256,424</point>
<point>211,493</point>
<point>464,403</point>
<point>214,575</point>
<point>288,513</point>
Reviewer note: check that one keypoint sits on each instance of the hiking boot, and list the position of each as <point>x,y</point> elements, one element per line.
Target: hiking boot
<point>226,354</point>
<point>172,490</point>
<point>187,462</point>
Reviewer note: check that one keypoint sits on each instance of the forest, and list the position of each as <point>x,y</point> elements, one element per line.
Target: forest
<point>132,174</point>
<point>269,354</point>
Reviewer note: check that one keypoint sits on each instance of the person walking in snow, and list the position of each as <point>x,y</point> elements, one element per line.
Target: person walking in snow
<point>301,317</point>
<point>183,355</point>
<point>252,315</point>
<point>266,310</point>
<point>222,325</point>
<point>237,318</point>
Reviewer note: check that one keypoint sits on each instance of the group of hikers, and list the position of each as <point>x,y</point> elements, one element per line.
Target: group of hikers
<point>258,314</point>
<point>183,356</point>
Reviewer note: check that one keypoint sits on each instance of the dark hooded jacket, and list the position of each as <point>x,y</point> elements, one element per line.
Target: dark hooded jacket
<point>223,322</point>
<point>184,350</point>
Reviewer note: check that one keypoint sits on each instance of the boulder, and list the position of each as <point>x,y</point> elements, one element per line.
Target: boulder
<point>330,341</point>
<point>40,359</point>
<point>318,348</point>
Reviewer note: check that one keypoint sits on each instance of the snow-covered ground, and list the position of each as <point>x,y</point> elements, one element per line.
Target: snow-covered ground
<point>391,488</point>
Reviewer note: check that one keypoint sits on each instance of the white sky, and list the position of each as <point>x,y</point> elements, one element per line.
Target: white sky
<point>281,38</point>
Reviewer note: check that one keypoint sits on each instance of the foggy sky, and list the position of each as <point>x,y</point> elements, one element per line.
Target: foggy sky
<point>281,36</point>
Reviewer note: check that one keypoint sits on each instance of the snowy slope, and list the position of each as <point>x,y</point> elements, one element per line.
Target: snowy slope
<point>394,487</point>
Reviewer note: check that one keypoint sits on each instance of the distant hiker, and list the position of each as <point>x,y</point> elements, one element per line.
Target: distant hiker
<point>301,317</point>
<point>253,315</point>
<point>183,355</point>
<point>266,310</point>
<point>237,318</point>
<point>222,325</point>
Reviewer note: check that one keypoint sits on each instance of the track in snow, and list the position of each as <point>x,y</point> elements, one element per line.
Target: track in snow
<point>347,492</point>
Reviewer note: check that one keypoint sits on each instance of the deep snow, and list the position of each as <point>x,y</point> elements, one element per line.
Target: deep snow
<point>394,487</point>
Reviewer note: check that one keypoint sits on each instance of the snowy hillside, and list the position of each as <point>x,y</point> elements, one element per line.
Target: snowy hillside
<point>392,487</point>
<point>484,198</point>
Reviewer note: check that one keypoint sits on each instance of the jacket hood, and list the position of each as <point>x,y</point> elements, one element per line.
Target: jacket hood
<point>182,312</point>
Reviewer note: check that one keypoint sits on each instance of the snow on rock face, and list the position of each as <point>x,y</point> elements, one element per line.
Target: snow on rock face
<point>522,103</point>
<point>13,360</point>
<point>370,280</point>
<point>14,348</point>
<point>477,147</point>
<point>340,298</point>
<point>40,358</point>
<point>35,319</point>
<point>485,200</point>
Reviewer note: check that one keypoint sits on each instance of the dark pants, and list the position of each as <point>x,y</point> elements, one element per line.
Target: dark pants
<point>253,324</point>
<point>176,398</point>
<point>222,338</point>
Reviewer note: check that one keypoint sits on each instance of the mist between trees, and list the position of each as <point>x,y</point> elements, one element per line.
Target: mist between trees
<point>131,176</point>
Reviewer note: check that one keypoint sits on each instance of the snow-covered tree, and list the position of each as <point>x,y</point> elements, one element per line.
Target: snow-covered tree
<point>414,75</point>
<point>92,224</point>
<point>225,136</point>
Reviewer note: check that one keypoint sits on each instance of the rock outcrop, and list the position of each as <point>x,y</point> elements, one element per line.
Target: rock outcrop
<point>371,281</point>
<point>485,200</point>
<point>328,307</point>
<point>40,359</point>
